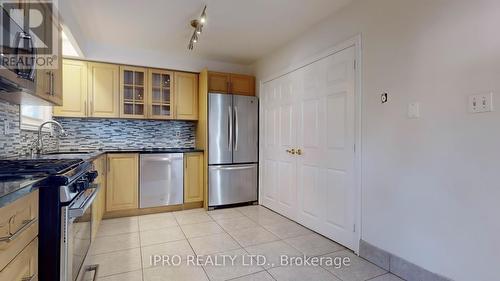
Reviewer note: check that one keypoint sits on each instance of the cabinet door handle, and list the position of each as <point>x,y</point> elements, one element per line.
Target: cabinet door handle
<point>49,91</point>
<point>52,83</point>
<point>13,236</point>
<point>31,278</point>
<point>94,268</point>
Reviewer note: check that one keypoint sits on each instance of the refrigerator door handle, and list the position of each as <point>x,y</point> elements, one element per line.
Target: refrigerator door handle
<point>226,168</point>
<point>230,128</point>
<point>236,128</point>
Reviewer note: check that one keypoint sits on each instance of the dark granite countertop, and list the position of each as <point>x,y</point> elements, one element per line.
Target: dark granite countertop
<point>12,189</point>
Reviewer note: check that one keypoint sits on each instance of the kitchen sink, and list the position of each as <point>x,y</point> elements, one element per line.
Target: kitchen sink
<point>69,152</point>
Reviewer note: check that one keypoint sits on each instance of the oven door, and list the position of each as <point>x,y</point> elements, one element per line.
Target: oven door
<point>77,238</point>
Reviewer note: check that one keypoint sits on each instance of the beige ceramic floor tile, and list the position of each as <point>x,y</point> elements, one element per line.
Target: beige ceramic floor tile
<point>201,229</point>
<point>387,277</point>
<point>106,244</point>
<point>129,276</point>
<point>178,273</point>
<point>125,219</point>
<point>156,222</point>
<point>260,276</point>
<point>358,269</point>
<point>301,273</point>
<point>237,263</point>
<point>314,244</point>
<point>269,219</point>
<point>287,230</point>
<point>125,226</point>
<point>163,235</point>
<point>252,236</point>
<point>213,244</point>
<point>179,248</point>
<point>194,217</point>
<point>237,223</point>
<point>222,214</point>
<point>273,251</point>
<point>117,262</point>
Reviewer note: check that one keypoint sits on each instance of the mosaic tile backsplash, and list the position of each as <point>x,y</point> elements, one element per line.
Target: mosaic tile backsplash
<point>119,133</point>
<point>96,133</point>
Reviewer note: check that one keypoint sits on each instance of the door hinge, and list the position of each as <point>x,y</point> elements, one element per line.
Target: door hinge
<point>354,228</point>
<point>354,64</point>
<point>354,147</point>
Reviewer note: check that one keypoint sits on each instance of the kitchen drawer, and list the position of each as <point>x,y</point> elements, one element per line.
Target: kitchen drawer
<point>18,226</point>
<point>25,265</point>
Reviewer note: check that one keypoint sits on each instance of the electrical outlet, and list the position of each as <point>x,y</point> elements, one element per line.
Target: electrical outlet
<point>414,110</point>
<point>481,103</point>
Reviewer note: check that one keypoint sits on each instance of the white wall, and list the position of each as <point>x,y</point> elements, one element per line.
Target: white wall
<point>431,187</point>
<point>186,61</point>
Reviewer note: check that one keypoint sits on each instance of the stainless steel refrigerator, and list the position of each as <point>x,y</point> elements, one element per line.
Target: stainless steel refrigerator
<point>233,140</point>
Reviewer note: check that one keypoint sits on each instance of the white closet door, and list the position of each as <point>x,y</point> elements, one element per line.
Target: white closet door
<point>325,133</point>
<point>279,134</point>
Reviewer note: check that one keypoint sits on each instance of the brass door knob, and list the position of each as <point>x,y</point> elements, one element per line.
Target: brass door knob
<point>299,151</point>
<point>291,151</point>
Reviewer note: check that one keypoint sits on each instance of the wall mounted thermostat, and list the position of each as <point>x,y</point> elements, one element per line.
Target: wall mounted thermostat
<point>384,98</point>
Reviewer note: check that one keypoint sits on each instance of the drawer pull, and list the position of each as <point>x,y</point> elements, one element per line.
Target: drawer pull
<point>31,278</point>
<point>94,268</point>
<point>19,231</point>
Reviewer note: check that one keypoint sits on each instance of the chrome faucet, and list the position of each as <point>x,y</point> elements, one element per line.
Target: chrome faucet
<point>39,142</point>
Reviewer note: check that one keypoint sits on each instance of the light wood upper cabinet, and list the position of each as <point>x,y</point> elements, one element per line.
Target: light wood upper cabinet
<point>186,95</point>
<point>49,78</point>
<point>218,82</point>
<point>122,190</point>
<point>193,177</point>
<point>231,83</point>
<point>103,90</point>
<point>133,85</point>
<point>242,85</point>
<point>74,90</point>
<point>160,95</point>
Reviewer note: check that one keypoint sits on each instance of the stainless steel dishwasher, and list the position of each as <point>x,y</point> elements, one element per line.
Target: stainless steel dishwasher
<point>162,180</point>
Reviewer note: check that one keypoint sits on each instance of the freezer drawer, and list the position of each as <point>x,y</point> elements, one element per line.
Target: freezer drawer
<point>231,184</point>
<point>162,180</point>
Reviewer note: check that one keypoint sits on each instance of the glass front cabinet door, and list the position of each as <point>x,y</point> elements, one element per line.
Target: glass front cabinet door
<point>133,85</point>
<point>160,96</point>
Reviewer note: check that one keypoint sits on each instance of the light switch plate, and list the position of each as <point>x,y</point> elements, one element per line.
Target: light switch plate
<point>414,110</point>
<point>481,103</point>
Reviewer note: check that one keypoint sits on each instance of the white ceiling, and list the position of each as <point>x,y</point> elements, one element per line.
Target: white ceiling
<point>237,31</point>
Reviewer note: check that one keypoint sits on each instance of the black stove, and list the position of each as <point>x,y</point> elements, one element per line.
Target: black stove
<point>9,168</point>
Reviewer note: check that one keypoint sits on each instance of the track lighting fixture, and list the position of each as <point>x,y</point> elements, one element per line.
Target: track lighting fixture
<point>197,24</point>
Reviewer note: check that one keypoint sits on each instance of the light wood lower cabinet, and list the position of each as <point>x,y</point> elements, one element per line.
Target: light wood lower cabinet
<point>193,177</point>
<point>19,222</point>
<point>24,267</point>
<point>122,190</point>
<point>186,95</point>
